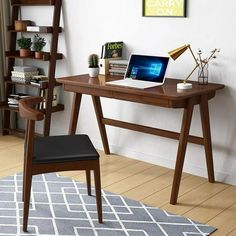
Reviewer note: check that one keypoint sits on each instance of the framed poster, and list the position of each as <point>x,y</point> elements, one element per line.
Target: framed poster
<point>170,8</point>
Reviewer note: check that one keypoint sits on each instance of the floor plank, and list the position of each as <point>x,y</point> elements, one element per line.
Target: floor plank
<point>153,186</point>
<point>137,179</point>
<point>224,222</point>
<point>232,233</point>
<point>192,199</point>
<point>214,204</point>
<point>163,197</point>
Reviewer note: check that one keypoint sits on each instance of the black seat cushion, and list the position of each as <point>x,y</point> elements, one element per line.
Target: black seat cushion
<point>63,148</point>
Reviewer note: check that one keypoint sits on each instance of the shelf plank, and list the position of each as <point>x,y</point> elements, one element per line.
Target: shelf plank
<point>46,55</point>
<point>58,107</point>
<point>49,30</point>
<point>5,106</point>
<point>32,2</point>
<point>42,85</point>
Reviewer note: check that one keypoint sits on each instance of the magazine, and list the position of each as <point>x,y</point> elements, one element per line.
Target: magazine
<point>112,50</point>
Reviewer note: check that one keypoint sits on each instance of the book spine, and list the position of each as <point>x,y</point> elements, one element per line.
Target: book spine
<point>36,29</point>
<point>20,80</point>
<point>117,71</point>
<point>118,66</point>
<point>23,74</point>
<point>24,69</point>
<point>114,73</point>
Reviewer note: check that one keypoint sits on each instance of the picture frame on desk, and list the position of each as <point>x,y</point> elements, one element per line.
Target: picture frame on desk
<point>164,8</point>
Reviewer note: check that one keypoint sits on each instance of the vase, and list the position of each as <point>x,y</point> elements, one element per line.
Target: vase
<point>203,75</point>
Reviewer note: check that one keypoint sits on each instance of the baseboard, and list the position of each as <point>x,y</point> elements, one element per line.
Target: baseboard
<point>161,161</point>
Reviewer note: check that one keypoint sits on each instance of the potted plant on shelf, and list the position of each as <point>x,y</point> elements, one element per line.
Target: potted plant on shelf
<point>38,45</point>
<point>93,65</point>
<point>24,45</point>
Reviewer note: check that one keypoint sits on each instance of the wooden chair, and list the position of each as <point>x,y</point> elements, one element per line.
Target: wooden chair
<point>55,153</point>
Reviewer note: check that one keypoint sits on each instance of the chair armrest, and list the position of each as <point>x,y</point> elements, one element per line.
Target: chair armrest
<point>27,108</point>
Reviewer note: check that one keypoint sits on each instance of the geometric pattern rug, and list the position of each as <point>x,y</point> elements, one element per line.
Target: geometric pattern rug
<point>61,206</point>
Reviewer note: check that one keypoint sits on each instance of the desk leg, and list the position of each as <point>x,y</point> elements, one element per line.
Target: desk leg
<point>102,128</point>
<point>204,110</point>
<point>183,139</point>
<point>74,112</point>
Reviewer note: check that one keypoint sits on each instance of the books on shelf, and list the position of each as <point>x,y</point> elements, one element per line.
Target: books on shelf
<point>112,50</point>
<point>38,79</point>
<point>42,29</point>
<point>13,99</point>
<point>55,99</point>
<point>117,67</point>
<point>23,74</point>
<point>25,68</point>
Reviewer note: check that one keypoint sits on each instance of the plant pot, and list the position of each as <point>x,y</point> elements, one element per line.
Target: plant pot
<point>21,25</point>
<point>93,72</point>
<point>25,52</point>
<point>38,55</point>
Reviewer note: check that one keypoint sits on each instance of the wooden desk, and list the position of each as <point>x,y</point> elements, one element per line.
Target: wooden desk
<point>163,96</point>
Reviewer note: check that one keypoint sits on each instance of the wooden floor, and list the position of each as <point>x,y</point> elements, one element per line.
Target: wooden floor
<point>213,204</point>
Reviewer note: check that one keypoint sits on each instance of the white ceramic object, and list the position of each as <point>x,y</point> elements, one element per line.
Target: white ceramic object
<point>93,72</point>
<point>184,86</point>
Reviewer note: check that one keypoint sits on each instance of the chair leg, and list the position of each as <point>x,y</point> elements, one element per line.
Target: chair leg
<point>97,181</point>
<point>23,184</point>
<point>27,189</point>
<point>88,179</point>
<point>23,188</point>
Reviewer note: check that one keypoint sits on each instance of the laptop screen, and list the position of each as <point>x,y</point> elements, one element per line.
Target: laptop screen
<point>147,68</point>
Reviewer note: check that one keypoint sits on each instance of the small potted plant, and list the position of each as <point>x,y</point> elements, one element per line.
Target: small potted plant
<point>38,45</point>
<point>24,45</point>
<point>93,65</point>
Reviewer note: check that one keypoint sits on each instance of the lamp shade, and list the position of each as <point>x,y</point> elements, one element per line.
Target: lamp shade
<point>174,54</point>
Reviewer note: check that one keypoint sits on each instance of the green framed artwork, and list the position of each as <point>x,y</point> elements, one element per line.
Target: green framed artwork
<point>169,8</point>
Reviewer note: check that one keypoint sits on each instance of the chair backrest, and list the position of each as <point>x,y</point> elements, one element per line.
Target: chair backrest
<point>27,108</point>
<point>28,111</point>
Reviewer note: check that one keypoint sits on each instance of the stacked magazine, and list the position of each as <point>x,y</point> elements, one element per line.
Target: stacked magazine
<point>118,67</point>
<point>23,74</point>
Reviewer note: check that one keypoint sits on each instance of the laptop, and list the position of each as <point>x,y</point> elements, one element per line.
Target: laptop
<point>143,72</point>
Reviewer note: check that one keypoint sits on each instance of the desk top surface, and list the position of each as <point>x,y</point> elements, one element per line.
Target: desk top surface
<point>166,91</point>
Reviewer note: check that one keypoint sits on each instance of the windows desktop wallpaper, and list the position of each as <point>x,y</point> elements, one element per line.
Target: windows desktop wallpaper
<point>148,68</point>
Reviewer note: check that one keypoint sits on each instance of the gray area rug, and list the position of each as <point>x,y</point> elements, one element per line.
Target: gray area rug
<point>60,206</point>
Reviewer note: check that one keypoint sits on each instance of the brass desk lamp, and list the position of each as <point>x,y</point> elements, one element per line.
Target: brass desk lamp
<point>174,54</point>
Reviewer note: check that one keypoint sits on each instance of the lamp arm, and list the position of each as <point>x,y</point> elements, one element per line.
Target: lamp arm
<point>193,55</point>
<point>191,72</point>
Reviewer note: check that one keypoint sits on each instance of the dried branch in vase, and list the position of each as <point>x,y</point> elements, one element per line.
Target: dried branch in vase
<point>203,65</point>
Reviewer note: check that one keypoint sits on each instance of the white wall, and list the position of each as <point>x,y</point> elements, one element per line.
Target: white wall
<point>88,24</point>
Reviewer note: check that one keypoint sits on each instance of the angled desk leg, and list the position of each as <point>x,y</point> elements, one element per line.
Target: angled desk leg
<point>74,112</point>
<point>204,110</point>
<point>102,128</point>
<point>183,139</point>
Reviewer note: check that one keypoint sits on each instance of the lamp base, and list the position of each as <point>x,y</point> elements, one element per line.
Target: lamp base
<point>184,86</point>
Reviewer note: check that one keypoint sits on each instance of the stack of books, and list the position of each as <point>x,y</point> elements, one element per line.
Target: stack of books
<point>23,74</point>
<point>117,67</point>
<point>13,99</point>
